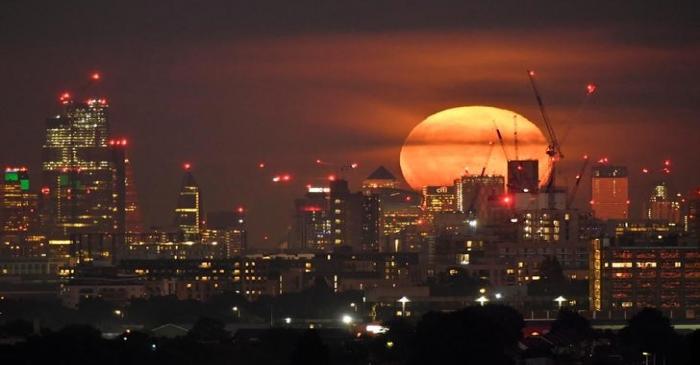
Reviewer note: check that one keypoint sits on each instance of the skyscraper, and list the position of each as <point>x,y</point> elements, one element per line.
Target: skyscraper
<point>662,205</point>
<point>188,213</point>
<point>438,199</point>
<point>399,209</point>
<point>610,192</point>
<point>81,172</point>
<point>312,225</point>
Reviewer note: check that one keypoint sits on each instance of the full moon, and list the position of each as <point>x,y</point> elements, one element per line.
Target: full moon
<point>448,144</point>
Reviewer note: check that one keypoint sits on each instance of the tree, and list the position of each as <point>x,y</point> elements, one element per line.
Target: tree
<point>572,325</point>
<point>475,335</point>
<point>649,331</point>
<point>310,350</point>
<point>208,330</point>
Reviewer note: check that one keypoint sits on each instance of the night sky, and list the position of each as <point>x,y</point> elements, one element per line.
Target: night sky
<point>228,84</point>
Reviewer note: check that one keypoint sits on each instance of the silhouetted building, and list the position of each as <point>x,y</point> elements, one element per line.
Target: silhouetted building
<point>346,215</point>
<point>380,178</point>
<point>523,176</point>
<point>610,192</point>
<point>473,191</point>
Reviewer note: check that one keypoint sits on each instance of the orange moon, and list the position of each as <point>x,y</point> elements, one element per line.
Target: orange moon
<point>454,141</point>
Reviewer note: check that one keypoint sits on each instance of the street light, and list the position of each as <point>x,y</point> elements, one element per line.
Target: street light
<point>560,300</point>
<point>354,306</point>
<point>646,357</point>
<point>288,320</point>
<point>482,300</point>
<point>346,319</point>
<point>498,295</point>
<point>119,313</point>
<point>403,300</point>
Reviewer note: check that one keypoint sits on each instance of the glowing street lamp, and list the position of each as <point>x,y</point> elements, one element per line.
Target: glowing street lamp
<point>560,300</point>
<point>646,357</point>
<point>403,300</point>
<point>346,319</point>
<point>236,311</point>
<point>288,320</point>
<point>119,313</point>
<point>482,300</point>
<point>353,306</point>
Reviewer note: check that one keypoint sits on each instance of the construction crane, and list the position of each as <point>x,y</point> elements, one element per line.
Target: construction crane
<point>574,190</point>
<point>554,148</point>
<point>500,140</point>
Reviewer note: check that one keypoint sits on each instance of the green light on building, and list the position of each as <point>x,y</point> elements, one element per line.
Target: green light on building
<point>11,176</point>
<point>24,184</point>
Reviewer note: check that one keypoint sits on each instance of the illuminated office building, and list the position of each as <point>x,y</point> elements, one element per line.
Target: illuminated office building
<point>610,192</point>
<point>18,215</point>
<point>663,206</point>
<point>438,199</point>
<point>312,225</point>
<point>692,214</point>
<point>637,276</point>
<point>226,230</point>
<point>19,205</point>
<point>82,174</point>
<point>188,213</point>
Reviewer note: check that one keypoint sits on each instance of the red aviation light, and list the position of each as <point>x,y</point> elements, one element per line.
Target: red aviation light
<point>354,165</point>
<point>331,177</point>
<point>286,177</point>
<point>531,72</point>
<point>408,198</point>
<point>240,210</point>
<point>95,76</point>
<point>187,166</point>
<point>590,88</point>
<point>261,165</point>
<point>123,141</point>
<point>645,170</point>
<point>45,190</point>
<point>667,163</point>
<point>507,200</point>
<point>64,98</point>
<point>311,208</point>
<point>318,161</point>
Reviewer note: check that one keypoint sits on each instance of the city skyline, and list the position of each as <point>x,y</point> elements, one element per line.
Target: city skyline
<point>180,95</point>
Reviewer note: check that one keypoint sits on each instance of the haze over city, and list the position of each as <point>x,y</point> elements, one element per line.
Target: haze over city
<point>349,182</point>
